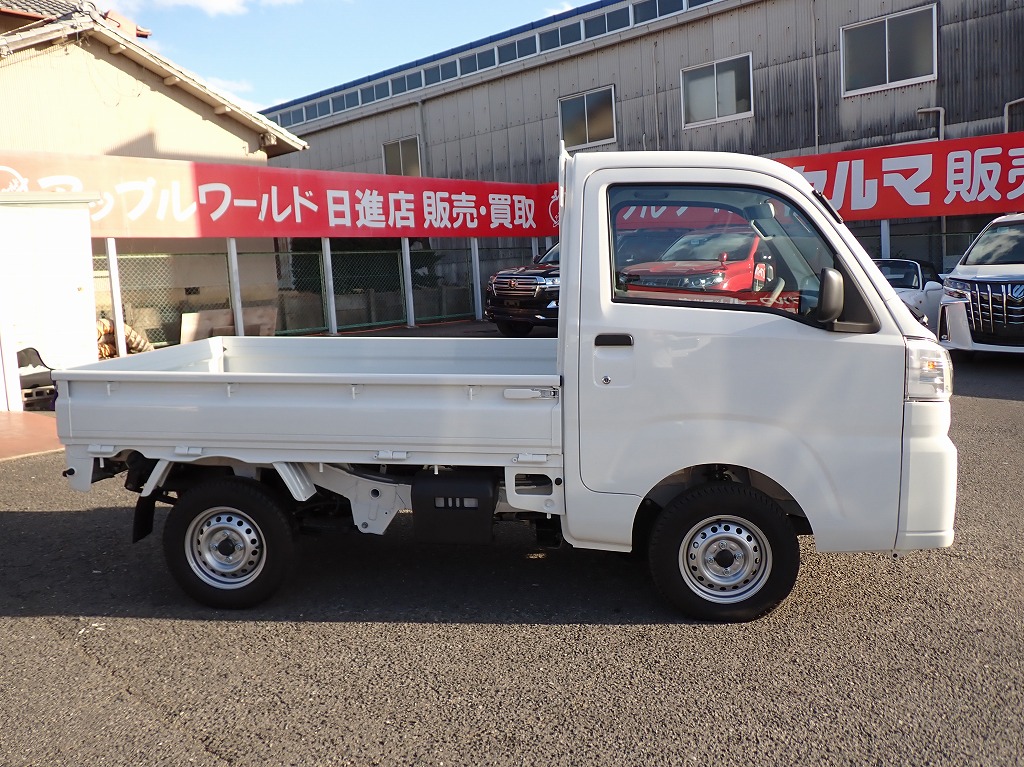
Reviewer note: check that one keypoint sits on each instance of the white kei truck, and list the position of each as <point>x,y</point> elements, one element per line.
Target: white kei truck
<point>763,382</point>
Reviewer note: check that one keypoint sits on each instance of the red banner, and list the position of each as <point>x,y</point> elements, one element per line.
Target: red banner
<point>170,198</point>
<point>635,217</point>
<point>965,177</point>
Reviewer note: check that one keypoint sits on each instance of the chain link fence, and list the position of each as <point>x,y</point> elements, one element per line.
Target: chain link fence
<point>443,290</point>
<point>369,280</point>
<point>161,294</point>
<point>174,298</point>
<point>300,292</point>
<point>369,287</point>
<point>101,287</point>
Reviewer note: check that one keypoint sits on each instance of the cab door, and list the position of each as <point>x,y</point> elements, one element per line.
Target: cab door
<point>670,380</point>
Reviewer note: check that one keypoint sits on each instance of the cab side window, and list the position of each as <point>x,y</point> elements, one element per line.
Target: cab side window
<point>714,247</point>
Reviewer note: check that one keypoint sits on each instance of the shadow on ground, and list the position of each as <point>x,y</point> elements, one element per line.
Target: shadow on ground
<point>82,563</point>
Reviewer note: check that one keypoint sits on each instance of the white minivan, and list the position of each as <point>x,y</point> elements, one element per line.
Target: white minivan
<point>982,307</point>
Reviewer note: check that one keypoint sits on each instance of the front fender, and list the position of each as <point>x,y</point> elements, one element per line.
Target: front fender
<point>847,486</point>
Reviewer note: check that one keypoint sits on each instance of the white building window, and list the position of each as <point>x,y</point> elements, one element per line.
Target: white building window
<point>895,50</point>
<point>717,91</point>
<point>588,119</point>
<point>402,158</point>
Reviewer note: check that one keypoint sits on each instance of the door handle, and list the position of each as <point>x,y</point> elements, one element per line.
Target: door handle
<point>614,339</point>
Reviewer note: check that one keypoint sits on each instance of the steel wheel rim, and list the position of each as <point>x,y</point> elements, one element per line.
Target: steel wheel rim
<point>725,559</point>
<point>225,548</point>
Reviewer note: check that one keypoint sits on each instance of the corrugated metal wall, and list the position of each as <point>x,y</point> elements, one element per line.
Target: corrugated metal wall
<point>981,65</point>
<point>505,128</point>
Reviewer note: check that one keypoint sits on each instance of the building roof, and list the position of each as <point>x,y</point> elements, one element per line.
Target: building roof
<point>594,24</point>
<point>61,20</point>
<point>39,8</point>
<point>491,39</point>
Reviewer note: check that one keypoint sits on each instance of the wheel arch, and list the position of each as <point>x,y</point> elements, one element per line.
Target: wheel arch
<point>684,480</point>
<point>167,480</point>
<point>161,473</point>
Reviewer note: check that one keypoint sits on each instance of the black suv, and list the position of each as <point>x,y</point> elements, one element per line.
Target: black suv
<point>519,299</point>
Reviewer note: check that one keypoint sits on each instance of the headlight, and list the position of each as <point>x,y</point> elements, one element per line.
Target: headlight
<point>929,371</point>
<point>701,280</point>
<point>956,288</point>
<point>551,283</point>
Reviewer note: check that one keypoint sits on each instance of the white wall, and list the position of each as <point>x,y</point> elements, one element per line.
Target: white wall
<point>46,290</point>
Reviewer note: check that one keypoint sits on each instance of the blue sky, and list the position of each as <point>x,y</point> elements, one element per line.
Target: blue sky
<point>265,52</point>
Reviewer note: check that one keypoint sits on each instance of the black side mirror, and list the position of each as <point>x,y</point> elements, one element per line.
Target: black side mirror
<point>830,296</point>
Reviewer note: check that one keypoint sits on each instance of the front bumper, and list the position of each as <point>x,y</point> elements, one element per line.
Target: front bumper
<point>928,482</point>
<point>534,312</point>
<point>954,331</point>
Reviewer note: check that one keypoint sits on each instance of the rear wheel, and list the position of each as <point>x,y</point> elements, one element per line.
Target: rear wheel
<point>228,543</point>
<point>514,329</point>
<point>724,552</point>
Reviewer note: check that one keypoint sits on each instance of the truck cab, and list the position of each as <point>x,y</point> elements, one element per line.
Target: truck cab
<point>813,386</point>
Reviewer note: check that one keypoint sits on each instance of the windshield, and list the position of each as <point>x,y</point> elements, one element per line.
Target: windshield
<point>1003,244</point>
<point>711,246</point>
<point>551,257</point>
<point>635,247</point>
<point>900,274</point>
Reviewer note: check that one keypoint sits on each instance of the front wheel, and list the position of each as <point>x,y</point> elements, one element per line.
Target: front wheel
<point>228,543</point>
<point>724,552</point>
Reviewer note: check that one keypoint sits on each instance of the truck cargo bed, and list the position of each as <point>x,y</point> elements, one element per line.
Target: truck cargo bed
<point>266,400</point>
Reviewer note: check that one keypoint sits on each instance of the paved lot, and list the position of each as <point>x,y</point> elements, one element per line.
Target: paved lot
<point>382,652</point>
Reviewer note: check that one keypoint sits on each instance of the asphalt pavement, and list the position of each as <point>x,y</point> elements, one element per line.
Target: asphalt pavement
<point>381,651</point>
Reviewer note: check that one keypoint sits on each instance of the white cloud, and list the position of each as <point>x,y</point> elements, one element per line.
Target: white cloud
<point>154,45</point>
<point>210,7</point>
<point>560,9</point>
<point>229,86</point>
<point>233,90</point>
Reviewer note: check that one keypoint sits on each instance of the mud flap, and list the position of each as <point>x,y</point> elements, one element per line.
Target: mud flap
<point>142,525</point>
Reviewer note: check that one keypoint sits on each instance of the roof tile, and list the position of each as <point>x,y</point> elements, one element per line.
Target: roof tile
<point>38,7</point>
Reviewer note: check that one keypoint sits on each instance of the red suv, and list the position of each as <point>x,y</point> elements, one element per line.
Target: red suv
<point>727,259</point>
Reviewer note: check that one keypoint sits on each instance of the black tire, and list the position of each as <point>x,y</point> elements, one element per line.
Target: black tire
<point>742,554</point>
<point>514,329</point>
<point>228,543</point>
